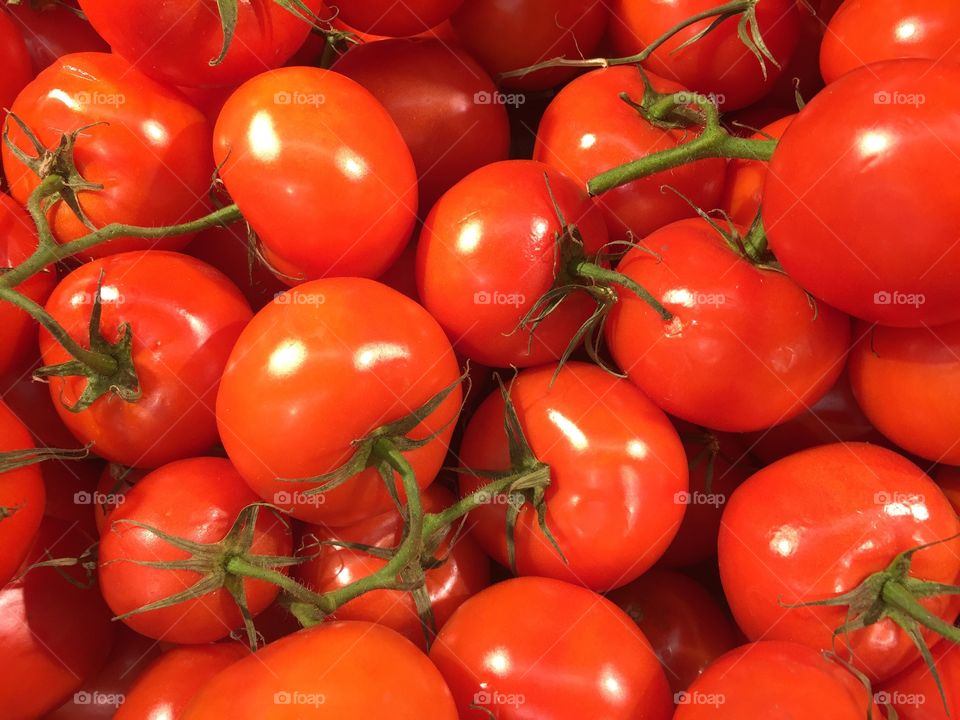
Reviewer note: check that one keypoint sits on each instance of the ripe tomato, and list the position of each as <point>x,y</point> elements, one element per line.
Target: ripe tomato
<point>814,526</point>
<point>31,402</point>
<point>15,61</point>
<point>386,17</point>
<point>820,207</point>
<point>948,478</point>
<point>498,653</point>
<point>113,484</point>
<point>197,500</point>
<point>342,185</point>
<point>277,683</point>
<point>70,487</point>
<point>380,356</point>
<point>184,317</point>
<point>588,128</point>
<point>175,42</point>
<point>746,348</point>
<point>22,498</point>
<point>52,30</point>
<point>914,693</point>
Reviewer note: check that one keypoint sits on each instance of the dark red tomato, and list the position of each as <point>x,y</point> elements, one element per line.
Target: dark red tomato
<point>618,476</point>
<point>898,117</point>
<point>512,34</point>
<point>22,498</point>
<point>815,525</point>
<point>30,400</point>
<point>745,179</point>
<point>502,657</point>
<point>18,331</point>
<point>948,478</point>
<point>381,356</point>
<point>914,693</point>
<point>15,61</point>
<point>185,317</point>
<point>762,678</point>
<point>488,251</point>
<point>368,671</point>
<point>907,380</point>
<point>175,41</point>
<point>394,19</point>
<point>719,63</point>
<point>153,156</point>
<point>868,31</point>
<point>588,129</point>
<point>71,491</point>
<point>209,101</point>
<point>197,500</point>
<point>827,8</point>
<point>443,31</point>
<point>465,571</point>
<point>446,106</point>
<point>342,186</point>
<point>802,73</point>
<point>113,484</point>
<point>54,634</point>
<point>686,627</point>
<point>53,29</point>
<point>169,683</point>
<point>746,348</point>
<point>402,275</point>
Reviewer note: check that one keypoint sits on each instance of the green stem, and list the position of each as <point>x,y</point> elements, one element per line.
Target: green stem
<point>612,277</point>
<point>898,596</point>
<point>240,566</point>
<point>437,522</point>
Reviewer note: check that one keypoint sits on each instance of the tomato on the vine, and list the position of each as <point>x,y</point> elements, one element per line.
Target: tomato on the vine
<point>54,29</point>
<point>22,498</point>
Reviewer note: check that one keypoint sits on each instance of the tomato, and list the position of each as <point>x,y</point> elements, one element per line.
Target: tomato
<point>686,627</point>
<point>820,203</point>
<point>386,17</point>
<point>446,106</point>
<point>197,500</point>
<point>746,348</point>
<point>484,260</point>
<point>31,402</point>
<point>512,34</point>
<point>380,356</point>
<point>719,63</point>
<point>52,30</point>
<point>113,484</point>
<point>70,487</point>
<point>342,186</point>
<point>814,526</point>
<point>368,671</point>
<point>54,634</point>
<point>176,41</point>
<point>15,61</point>
<point>868,31</point>
<point>914,693</point>
<point>588,129</point>
<point>22,498</point>
<point>775,679</point>
<point>502,657</point>
<point>948,478</point>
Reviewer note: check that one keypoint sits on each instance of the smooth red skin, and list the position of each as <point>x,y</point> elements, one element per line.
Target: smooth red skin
<point>342,186</point>
<point>496,232</point>
<point>756,359</point>
<point>815,525</point>
<point>365,671</point>
<point>198,500</point>
<point>175,41</point>
<point>30,400</point>
<point>209,101</point>
<point>53,634</point>
<point>185,317</point>
<point>430,90</point>
<point>820,200</point>
<point>169,683</point>
<point>15,61</point>
<point>686,627</point>
<point>500,641</point>
<point>113,483</point>
<point>948,478</point>
<point>54,30</point>
<point>20,490</point>
<point>590,106</point>
<point>743,189</point>
<point>271,428</point>
<point>717,63</point>
<point>393,19</point>
<point>612,510</point>
<point>914,693</point>
<point>69,486</point>
<point>465,572</point>
<point>512,34</point>
<point>18,331</point>
<point>779,680</point>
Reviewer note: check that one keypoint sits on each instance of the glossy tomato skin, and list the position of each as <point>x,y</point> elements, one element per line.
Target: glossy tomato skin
<point>489,250</point>
<point>276,682</point>
<point>745,350</point>
<point>152,157</point>
<point>15,61</point>
<point>343,186</point>
<point>175,41</point>
<point>892,130</point>
<point>815,525</point>
<point>184,317</point>
<point>22,498</point>
<point>380,355</point>
<point>444,103</point>
<point>500,653</point>
<point>385,17</point>
<point>53,30</point>
<point>914,693</point>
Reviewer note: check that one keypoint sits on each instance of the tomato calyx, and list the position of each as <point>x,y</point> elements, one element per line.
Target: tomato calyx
<point>16,459</point>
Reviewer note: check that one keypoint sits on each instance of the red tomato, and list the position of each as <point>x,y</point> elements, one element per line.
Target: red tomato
<point>914,693</point>
<point>175,42</point>
<point>15,61</point>
<point>814,526</point>
<point>896,117</point>
<point>380,357</point>
<point>342,186</point>
<point>745,178</point>
<point>588,129</point>
<point>586,658</point>
<point>746,348</point>
<point>112,487</point>
<point>394,19</point>
<point>948,478</point>
<point>22,498</point>
<point>71,491</point>
<point>52,30</point>
<point>30,400</point>
<point>368,671</point>
<point>197,500</point>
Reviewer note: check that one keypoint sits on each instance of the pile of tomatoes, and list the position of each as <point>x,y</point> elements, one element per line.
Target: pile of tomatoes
<point>470,359</point>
